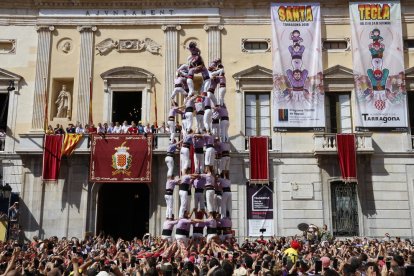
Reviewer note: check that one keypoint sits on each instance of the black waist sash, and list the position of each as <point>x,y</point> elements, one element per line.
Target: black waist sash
<point>166,232</point>
<point>181,232</point>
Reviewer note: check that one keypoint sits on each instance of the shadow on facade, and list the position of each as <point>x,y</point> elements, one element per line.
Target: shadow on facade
<point>72,186</point>
<point>29,222</point>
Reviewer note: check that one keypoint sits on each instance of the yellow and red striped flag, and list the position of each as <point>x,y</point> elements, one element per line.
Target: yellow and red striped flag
<point>70,143</point>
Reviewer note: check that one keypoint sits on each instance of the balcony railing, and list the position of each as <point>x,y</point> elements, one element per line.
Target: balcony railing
<point>325,143</point>
<point>247,143</point>
<point>412,142</point>
<point>2,143</point>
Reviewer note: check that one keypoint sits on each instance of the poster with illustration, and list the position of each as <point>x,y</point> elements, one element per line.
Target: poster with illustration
<point>298,92</point>
<point>378,63</point>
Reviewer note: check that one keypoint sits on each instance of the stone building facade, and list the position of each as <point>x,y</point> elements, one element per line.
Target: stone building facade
<point>113,47</point>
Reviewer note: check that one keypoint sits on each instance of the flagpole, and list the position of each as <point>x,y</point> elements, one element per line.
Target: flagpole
<point>90,102</point>
<point>155,105</point>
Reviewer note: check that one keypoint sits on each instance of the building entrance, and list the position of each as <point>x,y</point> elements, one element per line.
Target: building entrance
<point>126,106</point>
<point>123,210</point>
<point>344,209</point>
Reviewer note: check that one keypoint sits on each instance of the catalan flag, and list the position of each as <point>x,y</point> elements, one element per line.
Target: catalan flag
<point>70,143</point>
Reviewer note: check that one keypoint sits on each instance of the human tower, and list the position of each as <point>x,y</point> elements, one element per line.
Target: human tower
<point>208,138</point>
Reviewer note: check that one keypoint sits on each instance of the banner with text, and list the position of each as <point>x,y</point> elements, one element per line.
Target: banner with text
<point>121,158</point>
<point>377,51</point>
<point>297,66</point>
<point>260,209</point>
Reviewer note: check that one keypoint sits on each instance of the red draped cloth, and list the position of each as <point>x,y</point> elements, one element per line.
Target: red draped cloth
<point>51,157</point>
<point>346,146</point>
<point>259,159</point>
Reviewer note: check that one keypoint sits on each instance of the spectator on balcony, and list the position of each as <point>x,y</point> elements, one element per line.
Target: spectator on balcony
<point>117,128</point>
<point>133,129</point>
<point>147,129</point>
<point>109,128</point>
<point>100,129</point>
<point>92,129</point>
<point>79,129</point>
<point>162,128</point>
<point>124,127</point>
<point>59,129</point>
<point>50,130</point>
<point>140,128</point>
<point>71,129</point>
<point>154,128</point>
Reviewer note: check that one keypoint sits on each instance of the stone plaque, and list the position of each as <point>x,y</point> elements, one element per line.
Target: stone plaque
<point>302,191</point>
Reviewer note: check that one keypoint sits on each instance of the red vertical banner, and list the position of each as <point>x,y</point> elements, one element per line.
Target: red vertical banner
<point>346,146</point>
<point>259,159</point>
<point>51,157</point>
<point>121,158</point>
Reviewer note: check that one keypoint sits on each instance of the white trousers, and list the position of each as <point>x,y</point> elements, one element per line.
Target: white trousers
<point>199,122</point>
<point>206,85</point>
<point>171,126</point>
<point>222,93</point>
<point>190,84</point>
<point>184,202</point>
<point>217,166</point>
<point>211,203</point>
<point>212,98</point>
<point>207,119</point>
<point>215,130</point>
<point>169,199</point>
<point>218,199</point>
<point>224,130</point>
<point>199,201</point>
<point>226,204</point>
<point>169,160</point>
<point>197,235</point>
<point>209,156</point>
<point>178,90</point>
<point>225,163</point>
<point>188,121</point>
<point>184,158</point>
<point>199,162</point>
<point>167,238</point>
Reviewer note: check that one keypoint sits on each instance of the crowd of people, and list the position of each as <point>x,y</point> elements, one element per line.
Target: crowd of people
<point>108,128</point>
<point>103,255</point>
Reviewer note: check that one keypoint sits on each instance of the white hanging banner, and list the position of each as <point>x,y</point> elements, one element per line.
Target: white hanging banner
<point>378,61</point>
<point>298,94</point>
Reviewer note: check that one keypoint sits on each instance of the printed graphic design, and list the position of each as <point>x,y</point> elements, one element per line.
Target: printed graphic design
<point>297,66</point>
<point>378,61</point>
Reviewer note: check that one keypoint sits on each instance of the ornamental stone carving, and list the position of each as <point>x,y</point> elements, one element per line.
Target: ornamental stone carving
<point>127,45</point>
<point>65,45</point>
<point>105,46</point>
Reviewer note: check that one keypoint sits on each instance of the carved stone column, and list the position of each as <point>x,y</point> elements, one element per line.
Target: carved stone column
<point>214,41</point>
<point>171,62</point>
<point>85,72</point>
<point>42,76</point>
